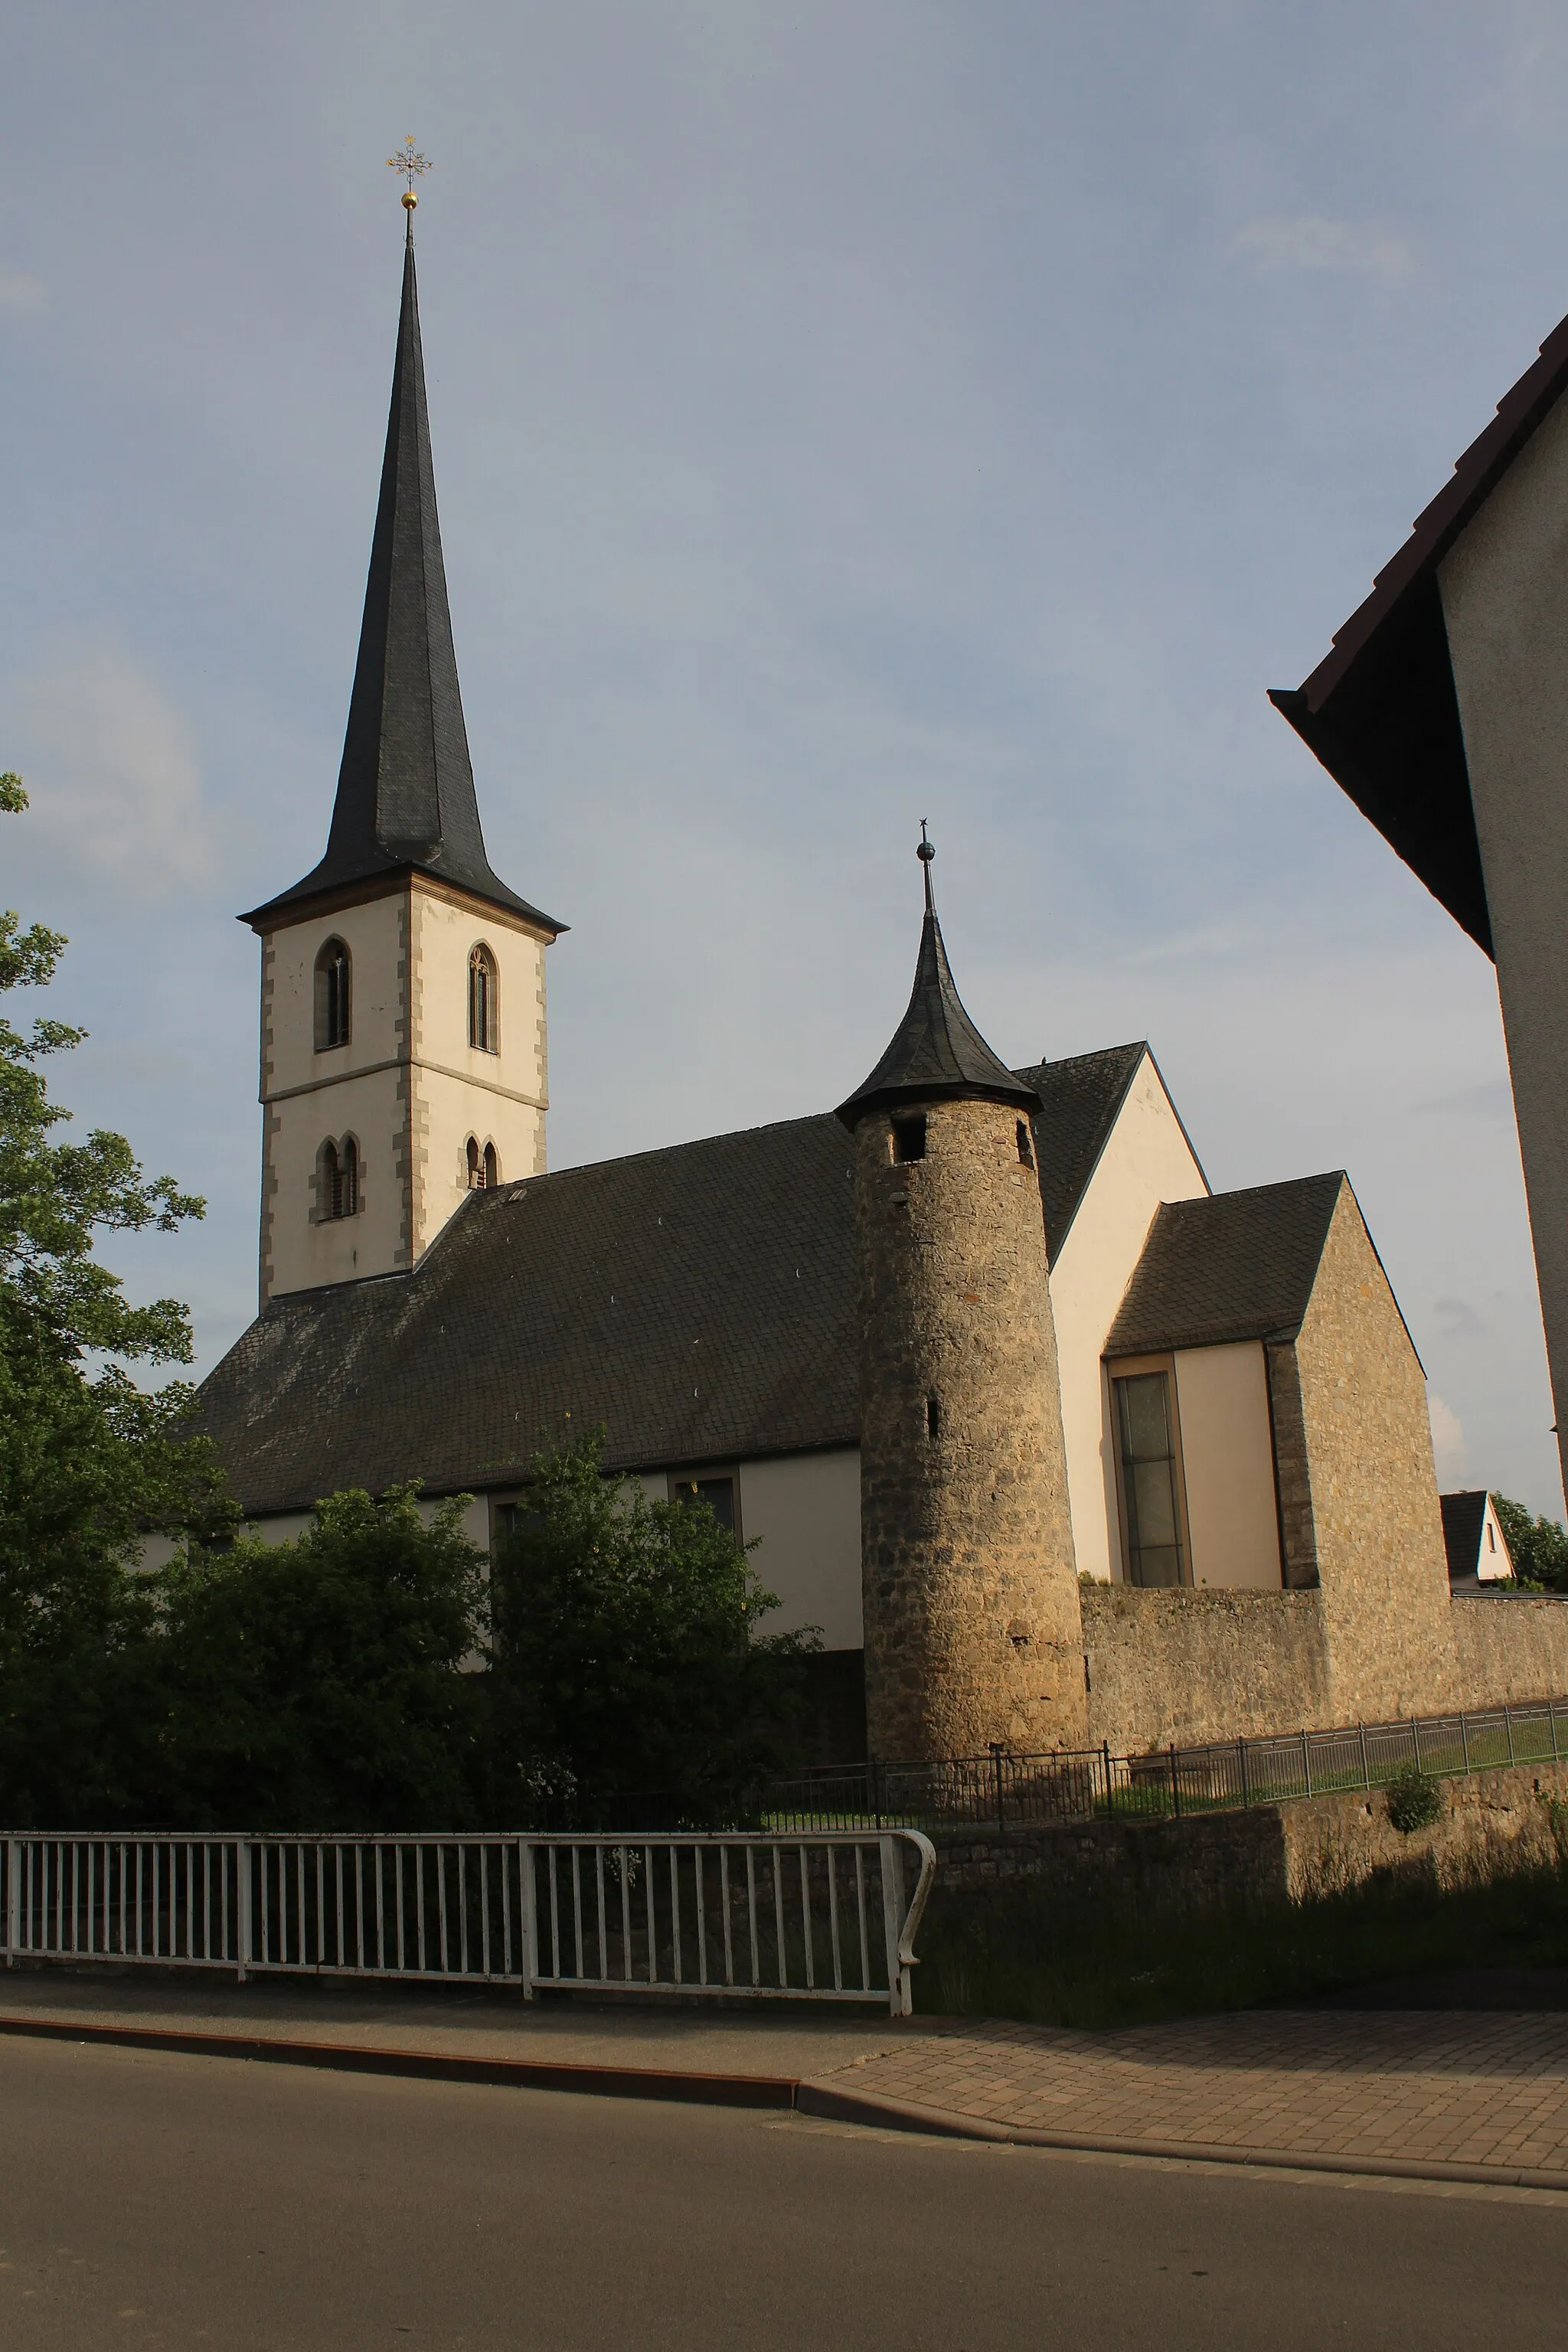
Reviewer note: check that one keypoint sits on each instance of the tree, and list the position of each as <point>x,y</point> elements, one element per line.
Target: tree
<point>1538,1546</point>
<point>90,1464</point>
<point>628,1657</point>
<point>318,1685</point>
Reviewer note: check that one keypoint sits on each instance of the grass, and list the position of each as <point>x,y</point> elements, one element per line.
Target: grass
<point>1023,1950</point>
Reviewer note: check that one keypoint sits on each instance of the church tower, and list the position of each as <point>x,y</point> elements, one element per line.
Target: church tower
<point>973,1634</point>
<point>402,1038</point>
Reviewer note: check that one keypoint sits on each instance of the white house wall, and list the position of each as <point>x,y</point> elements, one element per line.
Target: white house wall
<point>1504,588</point>
<point>1228,1462</point>
<point>1147,1158</point>
<point>806,1510</point>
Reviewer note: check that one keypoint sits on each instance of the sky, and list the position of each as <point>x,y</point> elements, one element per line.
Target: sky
<point>844,413</point>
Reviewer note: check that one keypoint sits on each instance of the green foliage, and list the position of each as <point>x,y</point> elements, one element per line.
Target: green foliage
<point>627,1658</point>
<point>317,1684</point>
<point>1538,1546</point>
<point>90,1464</point>
<point>1414,1800</point>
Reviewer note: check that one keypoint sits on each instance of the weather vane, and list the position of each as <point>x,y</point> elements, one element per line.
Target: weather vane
<point>411,165</point>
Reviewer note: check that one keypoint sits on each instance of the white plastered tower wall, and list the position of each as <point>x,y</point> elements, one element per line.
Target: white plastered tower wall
<point>1147,1159</point>
<point>408,1085</point>
<point>1504,587</point>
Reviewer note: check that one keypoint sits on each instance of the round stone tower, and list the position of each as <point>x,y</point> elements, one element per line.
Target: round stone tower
<point>974,1635</point>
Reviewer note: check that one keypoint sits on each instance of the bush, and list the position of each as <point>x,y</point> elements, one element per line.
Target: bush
<point>1537,1547</point>
<point>627,1661</point>
<point>1414,1798</point>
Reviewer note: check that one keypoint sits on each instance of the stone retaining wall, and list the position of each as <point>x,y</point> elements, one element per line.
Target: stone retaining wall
<point>1490,1823</point>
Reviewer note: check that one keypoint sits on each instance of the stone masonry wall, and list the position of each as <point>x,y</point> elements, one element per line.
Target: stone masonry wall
<point>1190,1666</point>
<point>1382,1568</point>
<point>1490,1823</point>
<point>1508,1646</point>
<point>1298,1538</point>
<point>972,1631</point>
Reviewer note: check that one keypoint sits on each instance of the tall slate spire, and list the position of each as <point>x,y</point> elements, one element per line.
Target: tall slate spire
<point>936,1049</point>
<point>406,795</point>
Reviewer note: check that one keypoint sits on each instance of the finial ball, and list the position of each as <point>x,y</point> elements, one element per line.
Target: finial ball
<point>926,852</point>
<point>409,200</point>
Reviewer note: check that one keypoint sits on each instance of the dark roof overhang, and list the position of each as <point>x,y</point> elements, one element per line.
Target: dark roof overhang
<point>1380,710</point>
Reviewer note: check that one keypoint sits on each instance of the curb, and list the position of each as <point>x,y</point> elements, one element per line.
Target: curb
<point>775,2092</point>
<point>943,2123</point>
<point>772,2093</point>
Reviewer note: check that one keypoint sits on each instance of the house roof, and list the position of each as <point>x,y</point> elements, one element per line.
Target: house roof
<point>936,1050</point>
<point>405,800</point>
<point>1464,1516</point>
<point>698,1302</point>
<point>1235,1265</point>
<point>1380,710</point>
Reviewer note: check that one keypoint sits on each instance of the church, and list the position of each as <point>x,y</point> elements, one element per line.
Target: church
<point>1053,1444</point>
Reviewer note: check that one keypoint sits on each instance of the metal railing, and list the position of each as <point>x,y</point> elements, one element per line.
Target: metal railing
<point>827,1915</point>
<point>1004,1789</point>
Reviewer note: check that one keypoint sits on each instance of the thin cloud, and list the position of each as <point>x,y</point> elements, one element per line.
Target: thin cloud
<point>113,772</point>
<point>1448,1445</point>
<point>18,292</point>
<point>1309,241</point>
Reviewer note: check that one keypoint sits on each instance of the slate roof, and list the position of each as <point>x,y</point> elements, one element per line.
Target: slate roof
<point>1380,710</point>
<point>1464,1516</point>
<point>699,1302</point>
<point>405,799</point>
<point>1237,1265</point>
<point>936,1050</point>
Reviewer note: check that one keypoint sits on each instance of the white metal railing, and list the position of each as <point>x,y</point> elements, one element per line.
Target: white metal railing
<point>827,1916</point>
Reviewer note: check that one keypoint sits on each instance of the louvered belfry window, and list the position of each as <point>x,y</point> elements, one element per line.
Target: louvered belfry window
<point>337,1183</point>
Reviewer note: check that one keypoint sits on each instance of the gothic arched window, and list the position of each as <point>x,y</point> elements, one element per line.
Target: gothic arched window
<point>331,996</point>
<point>337,1179</point>
<point>483,1027</point>
<point>484,1168</point>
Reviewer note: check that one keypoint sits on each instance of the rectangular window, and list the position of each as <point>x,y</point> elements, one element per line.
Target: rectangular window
<point>1151,1478</point>
<point>717,1493</point>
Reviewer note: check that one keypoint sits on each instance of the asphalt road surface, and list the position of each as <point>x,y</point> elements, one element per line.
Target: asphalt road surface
<point>153,2198</point>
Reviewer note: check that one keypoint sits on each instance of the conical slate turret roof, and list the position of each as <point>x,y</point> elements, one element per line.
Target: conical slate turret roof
<point>406,796</point>
<point>936,1050</point>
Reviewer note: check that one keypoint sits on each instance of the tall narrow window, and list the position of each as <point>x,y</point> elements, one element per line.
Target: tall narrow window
<point>333,988</point>
<point>1025,1145</point>
<point>492,1168</point>
<point>476,1165</point>
<point>346,1203</point>
<point>1150,1490</point>
<point>482,1006</point>
<point>910,1138</point>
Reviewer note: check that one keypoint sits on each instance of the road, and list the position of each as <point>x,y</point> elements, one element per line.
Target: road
<point>150,2199</point>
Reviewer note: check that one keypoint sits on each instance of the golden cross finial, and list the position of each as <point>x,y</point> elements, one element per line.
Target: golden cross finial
<point>409,162</point>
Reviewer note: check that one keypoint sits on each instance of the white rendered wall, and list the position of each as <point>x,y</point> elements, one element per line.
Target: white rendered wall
<point>458,1091</point>
<point>1228,1463</point>
<point>353,1090</point>
<point>1505,602</point>
<point>806,1510</point>
<point>408,1085</point>
<point>1146,1159</point>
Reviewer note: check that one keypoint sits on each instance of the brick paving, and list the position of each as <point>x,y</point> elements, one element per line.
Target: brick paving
<point>1438,2087</point>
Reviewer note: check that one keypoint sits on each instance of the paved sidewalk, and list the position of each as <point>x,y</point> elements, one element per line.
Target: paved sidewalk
<point>1455,2092</point>
<point>1446,2093</point>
